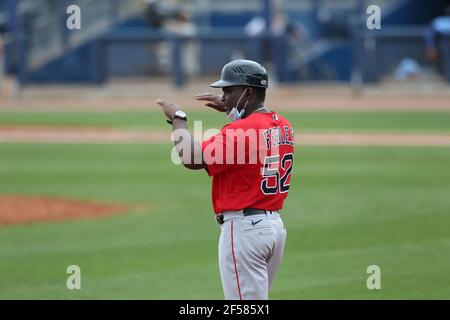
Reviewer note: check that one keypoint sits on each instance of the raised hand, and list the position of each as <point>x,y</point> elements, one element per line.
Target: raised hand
<point>212,100</point>
<point>169,108</point>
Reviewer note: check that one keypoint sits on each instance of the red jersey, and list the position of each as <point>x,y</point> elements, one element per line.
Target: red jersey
<point>251,162</point>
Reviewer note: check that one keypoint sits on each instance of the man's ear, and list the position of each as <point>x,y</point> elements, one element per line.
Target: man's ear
<point>251,93</point>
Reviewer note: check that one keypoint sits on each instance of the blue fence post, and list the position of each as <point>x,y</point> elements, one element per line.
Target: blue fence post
<point>362,7</point>
<point>11,45</point>
<point>177,70</point>
<point>65,33</point>
<point>267,13</point>
<point>114,11</point>
<point>367,43</point>
<point>98,61</point>
<point>446,57</point>
<point>256,46</point>
<point>370,56</point>
<point>279,56</point>
<point>11,7</point>
<point>357,76</point>
<point>20,46</point>
<point>316,4</point>
<point>23,59</point>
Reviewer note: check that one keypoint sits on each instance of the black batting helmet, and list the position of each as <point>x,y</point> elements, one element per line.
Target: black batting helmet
<point>242,73</point>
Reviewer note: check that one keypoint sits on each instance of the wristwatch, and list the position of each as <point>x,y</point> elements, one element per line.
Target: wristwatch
<point>178,115</point>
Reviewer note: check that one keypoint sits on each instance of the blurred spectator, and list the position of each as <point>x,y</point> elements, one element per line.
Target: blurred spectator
<point>296,38</point>
<point>408,69</point>
<point>298,43</point>
<point>154,13</point>
<point>439,29</point>
<point>169,17</point>
<point>181,24</point>
<point>255,26</point>
<point>281,25</point>
<point>333,24</point>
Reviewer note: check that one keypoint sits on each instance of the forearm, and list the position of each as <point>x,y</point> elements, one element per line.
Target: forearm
<point>189,150</point>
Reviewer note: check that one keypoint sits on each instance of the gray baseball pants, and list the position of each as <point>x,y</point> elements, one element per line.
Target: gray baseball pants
<point>250,251</point>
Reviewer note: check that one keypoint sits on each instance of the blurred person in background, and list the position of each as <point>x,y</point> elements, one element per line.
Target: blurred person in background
<point>439,30</point>
<point>170,17</point>
<point>154,13</point>
<point>333,24</point>
<point>280,25</point>
<point>295,35</point>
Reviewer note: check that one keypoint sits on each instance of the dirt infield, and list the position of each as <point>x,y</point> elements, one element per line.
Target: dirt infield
<point>19,209</point>
<point>33,134</point>
<point>123,96</point>
<point>17,134</point>
<point>294,102</point>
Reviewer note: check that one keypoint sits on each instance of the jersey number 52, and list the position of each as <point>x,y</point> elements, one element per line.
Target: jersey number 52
<point>271,170</point>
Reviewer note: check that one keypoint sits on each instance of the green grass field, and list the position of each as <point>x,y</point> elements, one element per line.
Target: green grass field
<point>348,208</point>
<point>427,122</point>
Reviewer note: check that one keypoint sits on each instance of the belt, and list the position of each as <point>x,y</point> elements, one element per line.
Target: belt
<point>246,212</point>
<point>252,212</point>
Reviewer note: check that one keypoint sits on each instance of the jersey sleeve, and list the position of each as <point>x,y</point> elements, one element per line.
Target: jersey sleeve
<point>219,151</point>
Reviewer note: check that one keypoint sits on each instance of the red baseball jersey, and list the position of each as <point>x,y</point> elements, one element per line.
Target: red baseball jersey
<point>251,163</point>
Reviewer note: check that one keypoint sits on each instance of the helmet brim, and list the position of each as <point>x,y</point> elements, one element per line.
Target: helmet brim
<point>222,84</point>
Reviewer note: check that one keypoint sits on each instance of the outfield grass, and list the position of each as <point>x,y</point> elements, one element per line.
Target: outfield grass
<point>348,208</point>
<point>427,122</point>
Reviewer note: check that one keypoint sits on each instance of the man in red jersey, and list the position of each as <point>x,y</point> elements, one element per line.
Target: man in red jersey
<point>251,161</point>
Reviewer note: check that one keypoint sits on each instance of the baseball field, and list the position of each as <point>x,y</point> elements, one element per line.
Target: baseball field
<point>98,190</point>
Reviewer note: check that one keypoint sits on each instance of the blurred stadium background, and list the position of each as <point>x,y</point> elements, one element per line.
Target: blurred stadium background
<point>300,40</point>
<point>78,121</point>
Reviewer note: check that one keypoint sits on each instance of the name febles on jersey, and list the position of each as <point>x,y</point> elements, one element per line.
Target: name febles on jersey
<point>263,184</point>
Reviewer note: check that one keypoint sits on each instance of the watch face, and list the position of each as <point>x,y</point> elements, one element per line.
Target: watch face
<point>180,114</point>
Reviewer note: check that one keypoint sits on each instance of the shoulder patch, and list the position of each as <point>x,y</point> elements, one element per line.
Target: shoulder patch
<point>275,117</point>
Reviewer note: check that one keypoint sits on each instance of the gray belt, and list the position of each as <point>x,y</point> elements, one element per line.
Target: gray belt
<point>246,212</point>
<point>252,212</point>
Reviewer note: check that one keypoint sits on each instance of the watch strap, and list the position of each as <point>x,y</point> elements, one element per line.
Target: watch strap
<point>176,117</point>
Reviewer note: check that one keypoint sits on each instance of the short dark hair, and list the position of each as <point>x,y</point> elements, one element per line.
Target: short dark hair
<point>260,93</point>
